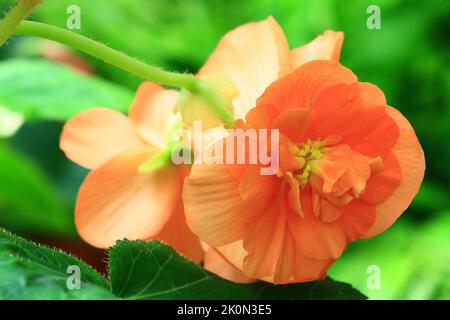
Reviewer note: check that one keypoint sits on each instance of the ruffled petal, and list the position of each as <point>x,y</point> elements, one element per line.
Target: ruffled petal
<point>410,157</point>
<point>252,56</point>
<point>382,184</point>
<point>293,265</point>
<point>212,203</point>
<point>327,46</point>
<point>314,238</point>
<point>151,111</point>
<point>257,191</point>
<point>293,123</point>
<point>357,218</point>
<point>116,201</point>
<point>234,253</point>
<point>308,269</point>
<point>261,117</point>
<point>215,263</point>
<point>177,234</point>
<point>299,88</point>
<point>93,137</point>
<point>264,240</point>
<point>348,112</point>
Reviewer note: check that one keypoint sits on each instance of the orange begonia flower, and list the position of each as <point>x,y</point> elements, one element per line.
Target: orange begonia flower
<point>349,164</point>
<point>117,200</point>
<point>251,57</point>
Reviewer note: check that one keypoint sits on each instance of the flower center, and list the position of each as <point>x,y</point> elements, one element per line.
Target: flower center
<point>306,154</point>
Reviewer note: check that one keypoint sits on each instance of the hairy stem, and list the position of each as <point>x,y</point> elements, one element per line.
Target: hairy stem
<point>129,64</point>
<point>13,18</point>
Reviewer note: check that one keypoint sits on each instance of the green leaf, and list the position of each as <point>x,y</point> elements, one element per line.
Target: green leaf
<point>28,201</point>
<point>152,270</point>
<point>41,90</point>
<point>31,271</point>
<point>138,270</point>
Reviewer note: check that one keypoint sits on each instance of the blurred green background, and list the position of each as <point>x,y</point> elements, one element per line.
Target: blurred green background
<point>408,59</point>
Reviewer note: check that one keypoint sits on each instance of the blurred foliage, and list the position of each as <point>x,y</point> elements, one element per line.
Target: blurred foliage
<point>25,191</point>
<point>22,93</point>
<point>414,263</point>
<point>408,59</point>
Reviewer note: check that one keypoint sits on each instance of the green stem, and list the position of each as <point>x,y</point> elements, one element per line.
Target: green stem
<point>129,64</point>
<point>108,55</point>
<point>13,18</point>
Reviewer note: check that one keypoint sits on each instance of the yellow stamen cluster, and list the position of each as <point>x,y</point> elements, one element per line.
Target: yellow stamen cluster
<point>306,153</point>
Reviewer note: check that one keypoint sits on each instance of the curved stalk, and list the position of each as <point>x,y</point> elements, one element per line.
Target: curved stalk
<point>129,64</point>
<point>13,18</point>
<point>108,55</point>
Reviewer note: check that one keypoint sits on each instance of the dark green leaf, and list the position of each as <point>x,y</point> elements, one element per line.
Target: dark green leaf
<point>42,90</point>
<point>31,271</point>
<point>152,270</point>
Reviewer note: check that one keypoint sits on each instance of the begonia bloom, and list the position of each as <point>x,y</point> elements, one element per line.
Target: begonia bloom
<point>117,200</point>
<point>251,57</point>
<point>349,166</point>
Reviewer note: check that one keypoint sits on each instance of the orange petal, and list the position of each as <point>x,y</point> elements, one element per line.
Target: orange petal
<point>327,46</point>
<point>328,212</point>
<point>215,263</point>
<point>151,110</point>
<point>314,238</point>
<point>93,137</point>
<point>273,254</point>
<point>293,123</point>
<point>301,269</point>
<point>287,161</point>
<point>308,269</point>
<point>299,88</point>
<point>212,203</point>
<point>264,240</point>
<point>257,191</point>
<point>410,157</point>
<point>252,56</point>
<point>384,182</point>
<point>348,111</point>
<point>177,234</point>
<point>356,219</point>
<point>293,266</point>
<point>370,95</point>
<point>116,201</point>
<point>261,117</point>
<point>286,262</point>
<point>294,195</point>
<point>234,253</point>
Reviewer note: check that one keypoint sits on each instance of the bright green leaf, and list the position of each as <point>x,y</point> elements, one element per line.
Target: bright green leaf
<point>138,270</point>
<point>152,270</point>
<point>31,271</point>
<point>42,90</point>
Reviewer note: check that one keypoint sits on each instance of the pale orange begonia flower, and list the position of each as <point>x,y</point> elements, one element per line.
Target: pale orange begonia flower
<point>349,164</point>
<point>117,200</point>
<point>251,57</point>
